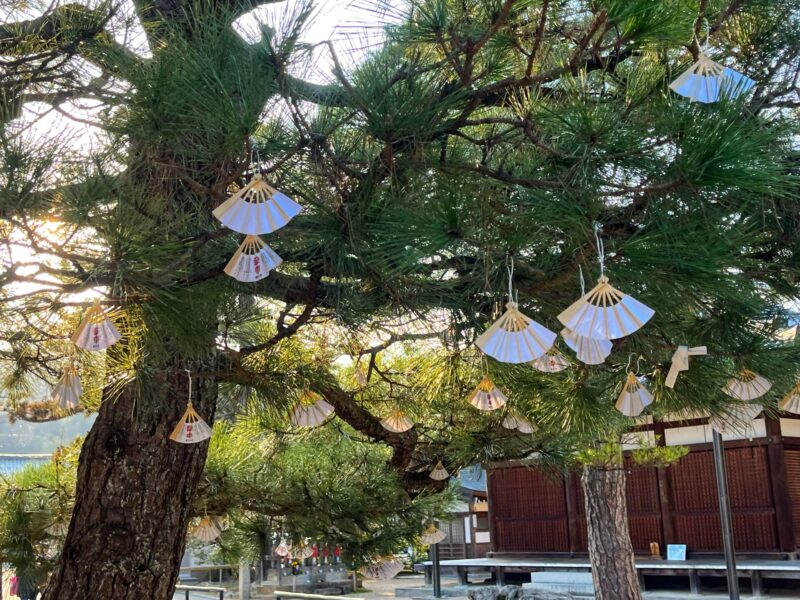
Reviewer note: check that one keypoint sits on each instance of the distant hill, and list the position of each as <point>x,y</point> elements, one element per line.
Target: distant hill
<point>40,438</point>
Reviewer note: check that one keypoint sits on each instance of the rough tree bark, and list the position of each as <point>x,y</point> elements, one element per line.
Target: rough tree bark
<point>610,549</point>
<point>134,496</point>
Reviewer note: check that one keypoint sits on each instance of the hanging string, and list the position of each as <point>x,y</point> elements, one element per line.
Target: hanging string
<point>583,282</point>
<point>510,269</point>
<point>601,251</point>
<point>190,384</point>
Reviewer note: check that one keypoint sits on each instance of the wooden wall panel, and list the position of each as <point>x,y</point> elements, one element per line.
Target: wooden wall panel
<point>529,507</point>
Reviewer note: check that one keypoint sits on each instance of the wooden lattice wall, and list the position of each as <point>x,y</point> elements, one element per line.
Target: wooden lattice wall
<point>536,511</point>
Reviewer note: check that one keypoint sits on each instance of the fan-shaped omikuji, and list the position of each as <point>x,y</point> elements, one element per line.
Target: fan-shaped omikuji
<point>439,473</point>
<point>397,422</point>
<point>311,411</point>
<point>514,421</point>
<point>432,535</point>
<point>253,260</point>
<point>587,350</point>
<point>739,418</point>
<point>191,429</point>
<point>67,393</point>
<point>706,81</point>
<point>680,362</point>
<point>746,385</point>
<point>257,208</point>
<point>282,549</point>
<point>605,313</point>
<point>634,397</point>
<point>58,528</point>
<point>486,396</point>
<point>791,401</point>
<point>515,338</point>
<point>385,568</point>
<point>96,331</point>
<point>301,551</point>
<point>206,530</point>
<point>552,362</point>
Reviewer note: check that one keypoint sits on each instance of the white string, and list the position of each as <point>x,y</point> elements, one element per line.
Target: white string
<point>583,283</point>
<point>190,384</point>
<point>601,251</point>
<point>510,269</point>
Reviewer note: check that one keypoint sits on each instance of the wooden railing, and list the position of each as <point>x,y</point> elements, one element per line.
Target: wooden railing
<point>199,588</point>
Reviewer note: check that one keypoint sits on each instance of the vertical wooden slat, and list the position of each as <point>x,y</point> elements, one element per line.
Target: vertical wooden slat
<point>778,480</point>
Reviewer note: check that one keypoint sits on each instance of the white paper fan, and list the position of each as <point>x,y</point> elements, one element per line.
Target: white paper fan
<point>486,396</point>
<point>605,313</point>
<point>746,385</point>
<point>67,393</point>
<point>739,418</point>
<point>96,332</point>
<point>552,362</point>
<point>513,420</point>
<point>206,530</point>
<point>706,81</point>
<point>432,535</point>
<point>58,528</point>
<point>191,429</point>
<point>588,350</point>
<point>515,338</point>
<point>634,397</point>
<point>301,551</point>
<point>397,422</point>
<point>282,549</point>
<point>257,208</point>
<point>253,260</point>
<point>386,568</point>
<point>311,411</point>
<point>791,401</point>
<point>439,473</point>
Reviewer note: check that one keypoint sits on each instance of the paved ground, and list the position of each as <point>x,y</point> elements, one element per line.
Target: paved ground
<point>383,590</point>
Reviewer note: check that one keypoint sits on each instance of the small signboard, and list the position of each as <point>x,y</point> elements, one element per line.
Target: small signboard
<point>676,551</point>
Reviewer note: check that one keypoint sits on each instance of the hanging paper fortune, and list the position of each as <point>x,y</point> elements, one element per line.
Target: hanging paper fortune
<point>253,260</point>
<point>96,332</point>
<point>257,208</point>
<point>486,396</point>
<point>707,81</point>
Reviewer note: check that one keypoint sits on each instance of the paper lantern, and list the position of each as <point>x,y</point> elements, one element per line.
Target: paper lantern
<point>257,208</point>
<point>432,535</point>
<point>634,397</point>
<point>486,396</point>
<point>515,338</point>
<point>206,531</point>
<point>680,362</point>
<point>552,362</point>
<point>707,81</point>
<point>383,569</point>
<point>587,350</point>
<point>515,421</point>
<point>791,401</point>
<point>605,313</point>
<point>439,473</point>
<point>282,549</point>
<point>67,393</point>
<point>738,419</point>
<point>746,385</point>
<point>191,429</point>
<point>96,332</point>
<point>311,411</point>
<point>252,261</point>
<point>397,422</point>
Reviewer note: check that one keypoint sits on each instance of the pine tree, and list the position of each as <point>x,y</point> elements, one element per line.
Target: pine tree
<point>479,132</point>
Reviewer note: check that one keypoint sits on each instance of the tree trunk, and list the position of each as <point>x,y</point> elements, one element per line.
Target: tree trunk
<point>610,550</point>
<point>134,495</point>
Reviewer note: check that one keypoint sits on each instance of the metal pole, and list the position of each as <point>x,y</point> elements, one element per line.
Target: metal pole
<point>437,574</point>
<point>725,516</point>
